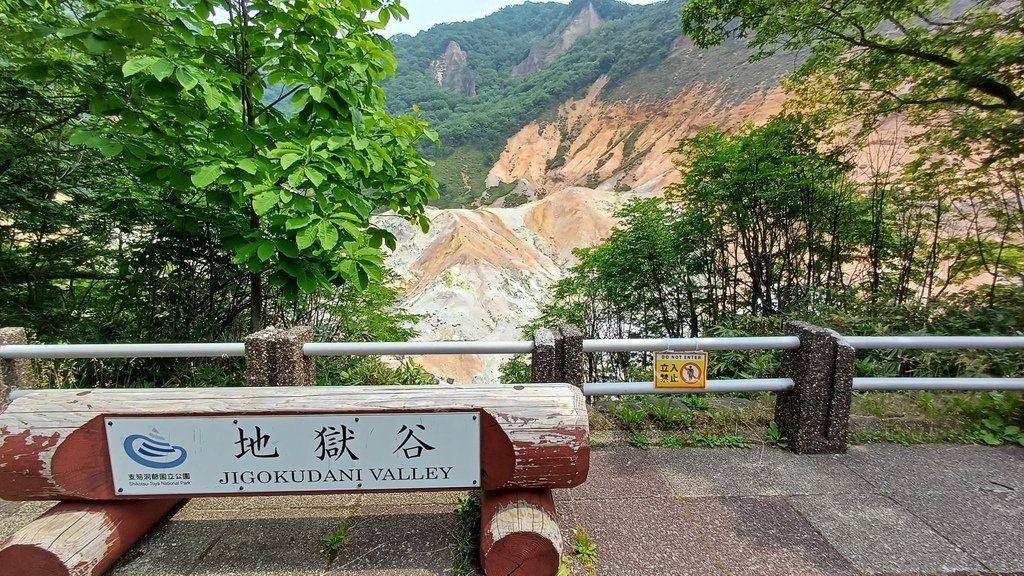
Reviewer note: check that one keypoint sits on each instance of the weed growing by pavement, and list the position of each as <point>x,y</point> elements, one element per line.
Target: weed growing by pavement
<point>564,567</point>
<point>633,418</point>
<point>872,404</point>
<point>584,549</point>
<point>639,440</point>
<point>671,441</point>
<point>696,402</point>
<point>467,535</point>
<point>668,415</point>
<point>995,431</point>
<point>333,541</point>
<point>907,438</point>
<point>774,436</point>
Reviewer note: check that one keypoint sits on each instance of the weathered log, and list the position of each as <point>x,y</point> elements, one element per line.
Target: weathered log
<point>519,533</point>
<point>80,538</point>
<point>53,445</point>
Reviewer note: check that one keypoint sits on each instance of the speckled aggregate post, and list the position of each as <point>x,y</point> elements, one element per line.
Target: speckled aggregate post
<point>571,357</point>
<point>15,373</point>
<point>543,362</point>
<point>815,415</point>
<point>274,358</point>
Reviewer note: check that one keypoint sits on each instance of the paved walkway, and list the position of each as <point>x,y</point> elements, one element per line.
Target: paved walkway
<point>880,509</point>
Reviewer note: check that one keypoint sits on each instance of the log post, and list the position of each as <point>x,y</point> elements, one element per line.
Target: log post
<point>519,533</point>
<point>80,538</point>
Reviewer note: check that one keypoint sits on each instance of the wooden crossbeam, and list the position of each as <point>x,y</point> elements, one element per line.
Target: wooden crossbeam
<point>53,443</point>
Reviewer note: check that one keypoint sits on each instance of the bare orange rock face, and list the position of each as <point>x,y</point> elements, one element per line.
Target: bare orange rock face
<point>624,143</point>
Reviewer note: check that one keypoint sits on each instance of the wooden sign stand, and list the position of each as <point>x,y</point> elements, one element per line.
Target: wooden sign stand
<point>53,447</point>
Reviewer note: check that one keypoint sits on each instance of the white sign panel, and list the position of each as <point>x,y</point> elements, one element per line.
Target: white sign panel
<point>302,453</point>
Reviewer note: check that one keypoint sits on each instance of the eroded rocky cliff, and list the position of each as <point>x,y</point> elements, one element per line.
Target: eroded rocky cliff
<point>451,70</point>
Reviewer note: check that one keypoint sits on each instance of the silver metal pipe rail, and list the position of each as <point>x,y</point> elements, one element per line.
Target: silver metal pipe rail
<point>677,344</point>
<point>742,385</point>
<point>403,348</point>
<point>935,342</point>
<point>965,384</point>
<point>211,350</point>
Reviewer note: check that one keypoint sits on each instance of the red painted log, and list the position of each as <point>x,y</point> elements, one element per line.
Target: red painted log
<point>53,445</point>
<point>519,533</point>
<point>79,538</point>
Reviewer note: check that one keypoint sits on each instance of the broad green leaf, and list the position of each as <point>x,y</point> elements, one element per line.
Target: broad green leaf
<point>288,159</point>
<point>264,202</point>
<point>314,176</point>
<point>137,64</point>
<point>91,138</point>
<point>206,175</point>
<point>288,248</point>
<point>162,69</point>
<point>266,250</point>
<point>308,284</point>
<point>297,222</point>
<point>111,149</point>
<point>247,164</point>
<point>185,78</point>
<point>306,237</point>
<point>245,253</point>
<point>327,234</point>
<point>316,93</point>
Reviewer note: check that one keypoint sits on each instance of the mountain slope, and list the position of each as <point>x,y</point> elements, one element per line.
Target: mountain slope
<point>560,52</point>
<point>480,274</point>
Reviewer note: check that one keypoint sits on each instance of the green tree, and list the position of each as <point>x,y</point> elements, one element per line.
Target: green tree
<point>174,90</point>
<point>945,65</point>
<point>781,217</point>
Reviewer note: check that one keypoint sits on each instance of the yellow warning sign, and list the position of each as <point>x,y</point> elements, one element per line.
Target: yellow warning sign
<point>680,369</point>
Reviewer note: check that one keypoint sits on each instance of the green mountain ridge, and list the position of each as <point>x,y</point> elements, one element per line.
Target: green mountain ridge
<point>632,46</point>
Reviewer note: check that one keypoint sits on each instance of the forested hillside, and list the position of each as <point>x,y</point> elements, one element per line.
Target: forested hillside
<point>631,45</point>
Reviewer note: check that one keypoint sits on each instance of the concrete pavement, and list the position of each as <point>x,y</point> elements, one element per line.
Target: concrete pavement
<point>879,509</point>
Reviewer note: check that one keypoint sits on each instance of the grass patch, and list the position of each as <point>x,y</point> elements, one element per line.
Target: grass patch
<point>742,420</point>
<point>639,440</point>
<point>466,536</point>
<point>584,549</point>
<point>335,540</point>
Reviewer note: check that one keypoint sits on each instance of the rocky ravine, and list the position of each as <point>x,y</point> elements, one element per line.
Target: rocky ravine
<point>481,274</point>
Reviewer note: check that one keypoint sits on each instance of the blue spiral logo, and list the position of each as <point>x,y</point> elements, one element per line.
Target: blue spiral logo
<point>153,450</point>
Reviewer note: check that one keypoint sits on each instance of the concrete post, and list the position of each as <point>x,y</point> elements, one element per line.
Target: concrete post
<point>815,415</point>
<point>544,361</point>
<point>571,359</point>
<point>274,358</point>
<point>14,373</point>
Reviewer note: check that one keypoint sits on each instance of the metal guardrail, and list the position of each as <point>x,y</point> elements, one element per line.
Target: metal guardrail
<point>662,344</point>
<point>237,349</point>
<point>935,342</point>
<point>230,349</point>
<point>742,385</point>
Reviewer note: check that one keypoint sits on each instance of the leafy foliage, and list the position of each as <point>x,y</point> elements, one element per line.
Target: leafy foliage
<point>153,192</point>
<point>176,96</point>
<point>467,535</point>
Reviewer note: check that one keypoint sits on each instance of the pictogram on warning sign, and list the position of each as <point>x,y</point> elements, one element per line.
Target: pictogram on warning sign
<point>680,369</point>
